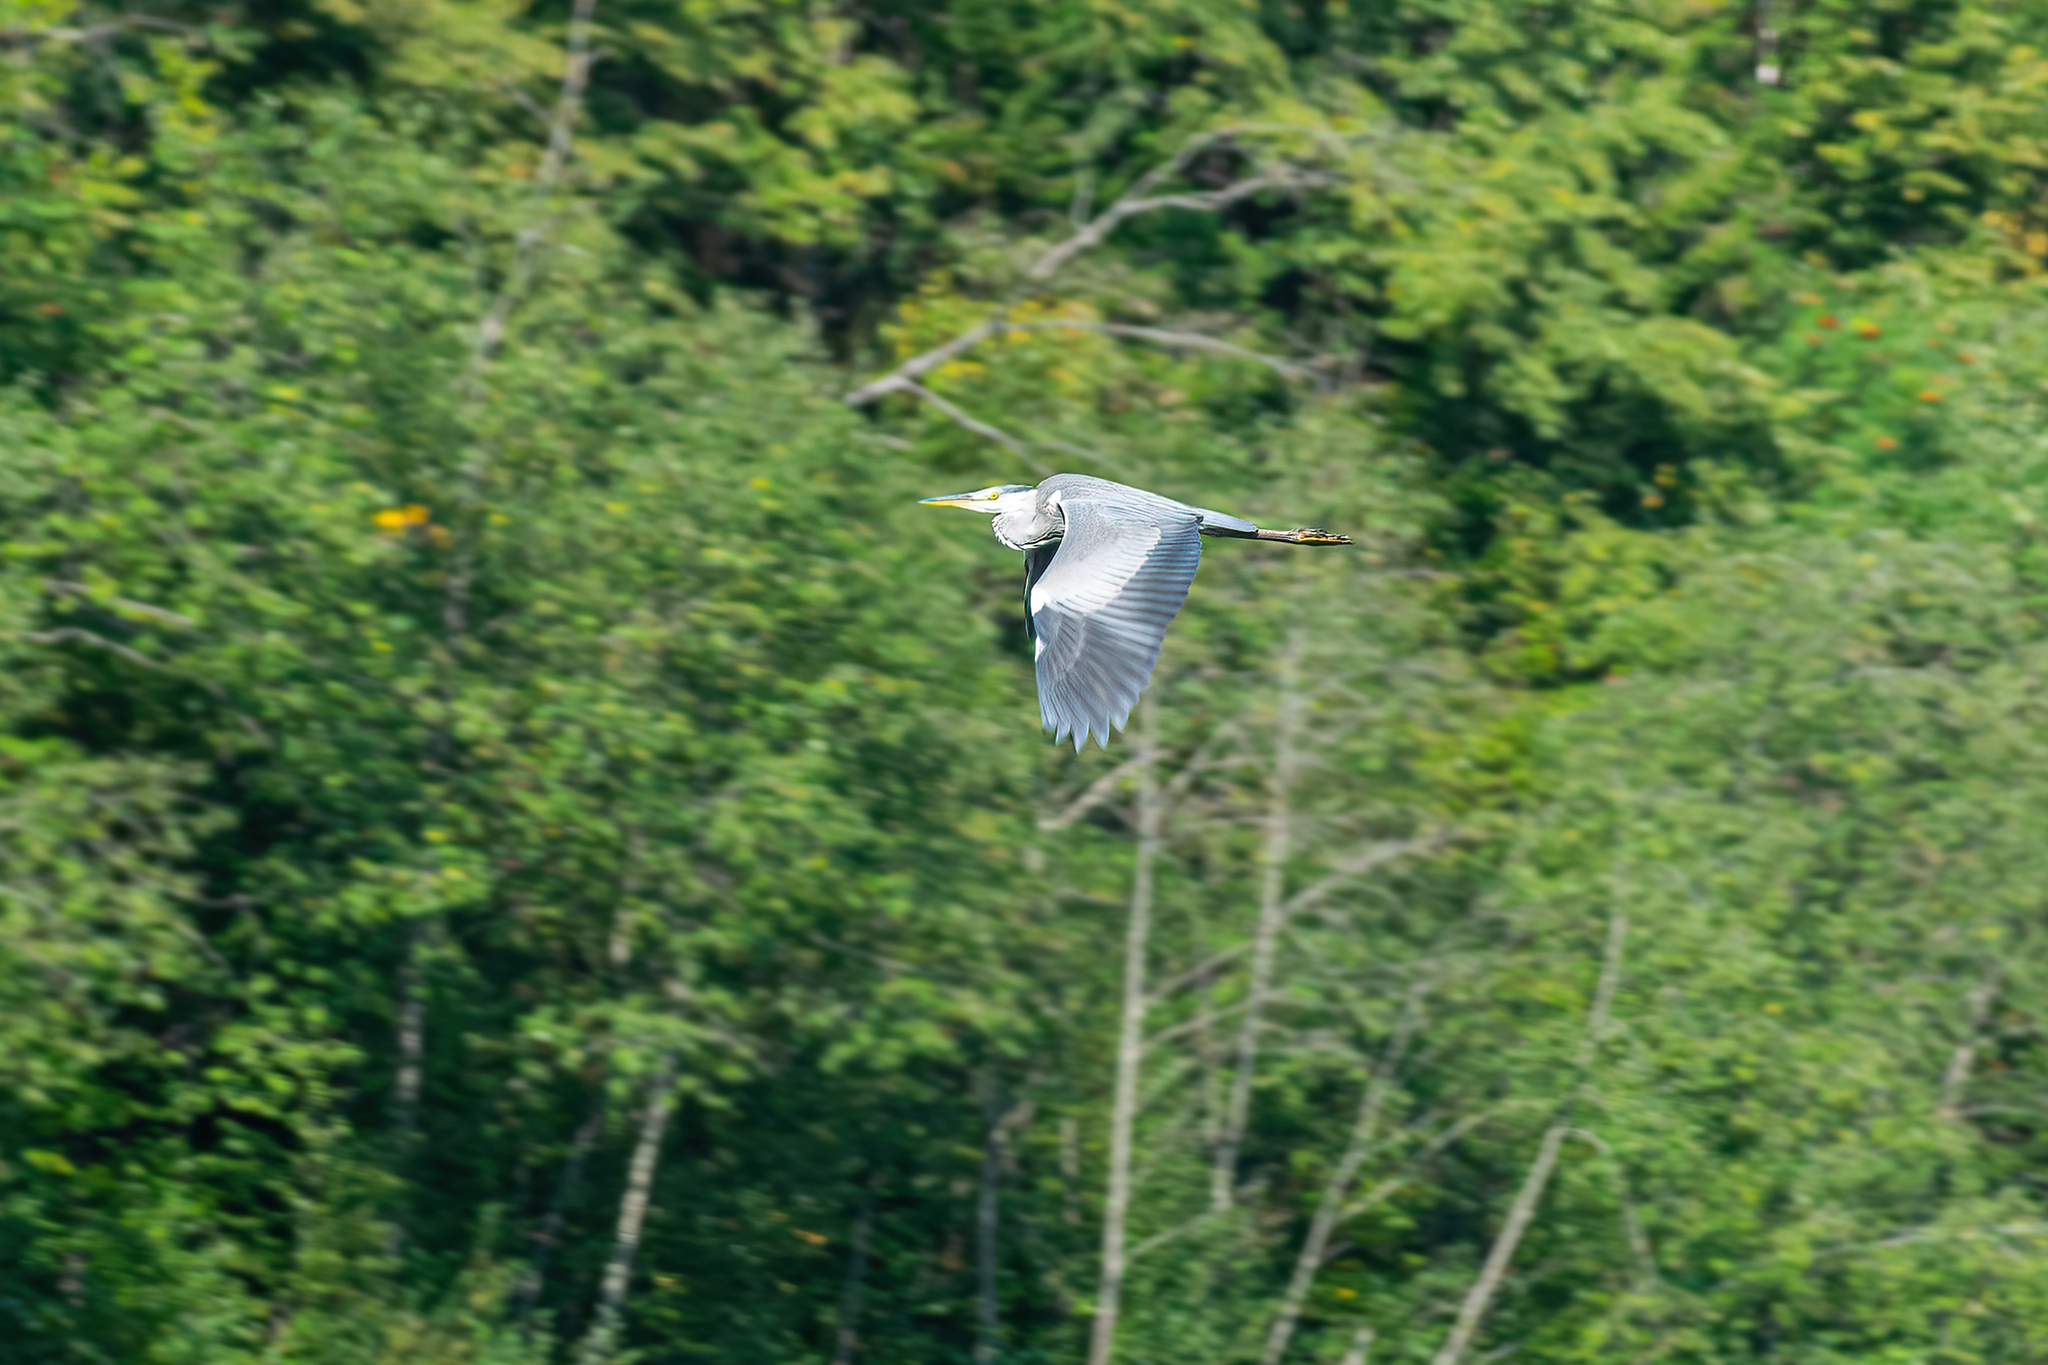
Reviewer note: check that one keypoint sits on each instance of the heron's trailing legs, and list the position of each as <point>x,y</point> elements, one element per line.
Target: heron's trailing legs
<point>1299,535</point>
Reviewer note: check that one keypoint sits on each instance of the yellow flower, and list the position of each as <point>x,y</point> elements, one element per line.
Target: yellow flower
<point>398,518</point>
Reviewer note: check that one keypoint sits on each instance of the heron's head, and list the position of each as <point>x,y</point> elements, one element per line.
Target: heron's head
<point>1002,497</point>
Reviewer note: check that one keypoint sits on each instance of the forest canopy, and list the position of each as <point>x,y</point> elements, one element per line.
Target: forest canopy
<point>520,843</point>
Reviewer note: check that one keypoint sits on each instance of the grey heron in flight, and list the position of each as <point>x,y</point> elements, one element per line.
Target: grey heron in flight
<point>1106,568</point>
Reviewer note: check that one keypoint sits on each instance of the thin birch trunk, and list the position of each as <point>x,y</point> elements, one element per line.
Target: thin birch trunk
<point>550,1234</point>
<point>1361,1347</point>
<point>1213,1052</point>
<point>1480,1297</point>
<point>1070,1172</point>
<point>1129,1053</point>
<point>1331,1208</point>
<point>1266,937</point>
<point>411,1038</point>
<point>618,1271</point>
<point>848,1336</point>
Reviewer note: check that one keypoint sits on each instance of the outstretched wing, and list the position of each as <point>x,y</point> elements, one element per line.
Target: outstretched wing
<point>1100,609</point>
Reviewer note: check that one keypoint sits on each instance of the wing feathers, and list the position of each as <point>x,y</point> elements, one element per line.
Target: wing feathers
<point>1100,608</point>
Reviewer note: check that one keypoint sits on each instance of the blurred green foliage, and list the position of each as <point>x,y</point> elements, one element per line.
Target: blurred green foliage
<point>415,747</point>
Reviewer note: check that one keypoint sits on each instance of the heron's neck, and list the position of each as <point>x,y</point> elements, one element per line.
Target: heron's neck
<point>1027,530</point>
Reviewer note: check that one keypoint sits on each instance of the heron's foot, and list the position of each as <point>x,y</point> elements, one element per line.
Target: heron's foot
<point>1305,535</point>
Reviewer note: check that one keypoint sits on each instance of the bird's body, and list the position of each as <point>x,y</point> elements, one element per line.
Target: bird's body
<point>1106,568</point>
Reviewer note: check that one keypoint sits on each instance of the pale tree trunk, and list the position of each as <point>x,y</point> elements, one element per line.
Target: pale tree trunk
<point>988,1220</point>
<point>1331,1207</point>
<point>1266,935</point>
<point>411,1037</point>
<point>1480,1297</point>
<point>1361,1347</point>
<point>549,1236</point>
<point>848,1336</point>
<point>1129,1051</point>
<point>618,1271</point>
<point>1070,1172</point>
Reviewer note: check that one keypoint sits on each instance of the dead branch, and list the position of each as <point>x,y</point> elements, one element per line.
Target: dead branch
<point>1639,1249</point>
<point>1358,864</point>
<point>1361,1347</point>
<point>126,604</point>
<point>980,428</point>
<point>1480,1297</point>
<point>1330,1208</point>
<point>920,365</point>
<point>1138,199</point>
<point>530,241</point>
<point>549,1235</point>
<point>29,37</point>
<point>1132,205</point>
<point>1169,339</point>
<point>1195,974</point>
<point>618,1270</point>
<point>1096,793</point>
<point>1130,1050</point>
<point>1272,918</point>
<point>78,636</point>
<point>1174,1233</point>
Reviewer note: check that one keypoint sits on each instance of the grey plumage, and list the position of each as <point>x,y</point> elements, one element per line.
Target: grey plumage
<point>1106,568</point>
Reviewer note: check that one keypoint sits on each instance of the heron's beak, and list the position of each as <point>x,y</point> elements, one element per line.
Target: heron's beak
<point>952,500</point>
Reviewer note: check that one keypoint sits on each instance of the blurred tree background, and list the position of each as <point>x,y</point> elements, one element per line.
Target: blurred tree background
<point>519,843</point>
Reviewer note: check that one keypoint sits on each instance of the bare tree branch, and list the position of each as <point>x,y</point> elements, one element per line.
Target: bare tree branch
<point>531,241</point>
<point>549,1234</point>
<point>1480,1297</point>
<point>1096,793</point>
<point>987,1220</point>
<point>78,636</point>
<point>1130,1050</point>
<point>1138,199</point>
<point>1169,339</point>
<point>1195,974</point>
<point>1331,1207</point>
<point>1361,1347</point>
<point>125,604</point>
<point>1394,1184</point>
<point>1272,916</point>
<point>29,37</point>
<point>1174,1233</point>
<point>980,428</point>
<point>1358,864</point>
<point>918,366</point>
<point>618,1271</point>
<point>1639,1249</point>
<point>1201,201</point>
